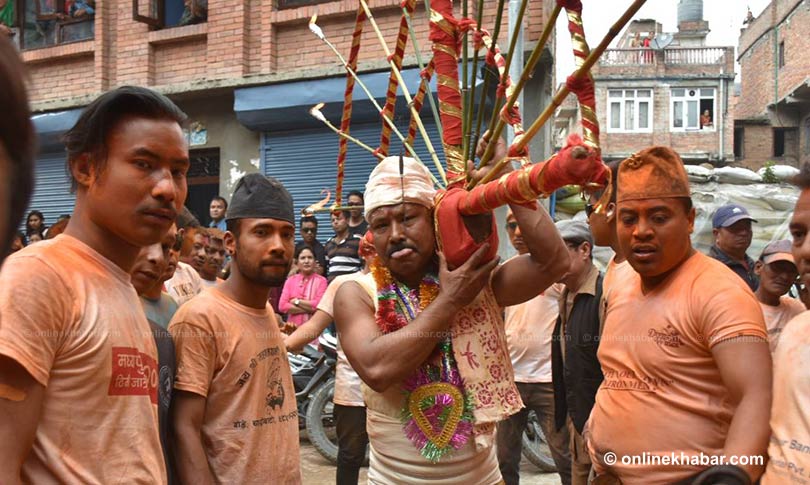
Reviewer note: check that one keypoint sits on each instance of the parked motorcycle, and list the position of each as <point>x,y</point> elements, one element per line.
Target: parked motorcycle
<point>313,373</point>
<point>535,446</point>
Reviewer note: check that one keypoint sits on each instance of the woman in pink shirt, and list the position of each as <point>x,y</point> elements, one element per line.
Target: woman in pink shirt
<point>302,291</point>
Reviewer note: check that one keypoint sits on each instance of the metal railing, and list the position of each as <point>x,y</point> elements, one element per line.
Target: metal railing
<point>671,56</point>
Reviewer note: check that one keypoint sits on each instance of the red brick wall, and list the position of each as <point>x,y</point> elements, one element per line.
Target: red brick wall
<point>761,83</point>
<point>178,62</point>
<point>757,146</point>
<point>241,38</point>
<point>70,76</point>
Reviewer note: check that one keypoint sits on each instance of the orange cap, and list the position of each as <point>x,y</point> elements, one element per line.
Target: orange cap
<point>653,173</point>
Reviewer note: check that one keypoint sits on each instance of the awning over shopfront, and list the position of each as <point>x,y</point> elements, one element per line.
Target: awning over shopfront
<point>285,106</point>
<point>51,126</point>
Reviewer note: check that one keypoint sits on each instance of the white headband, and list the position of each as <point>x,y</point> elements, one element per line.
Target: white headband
<point>386,187</point>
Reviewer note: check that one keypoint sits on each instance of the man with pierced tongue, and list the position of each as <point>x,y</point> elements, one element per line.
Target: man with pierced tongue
<point>684,351</point>
<point>429,345</point>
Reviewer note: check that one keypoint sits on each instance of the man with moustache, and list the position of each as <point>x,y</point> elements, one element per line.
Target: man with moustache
<point>790,414</point>
<point>731,226</point>
<point>777,272</point>
<point>235,412</point>
<point>684,349</point>
<point>435,333</point>
<point>73,335</point>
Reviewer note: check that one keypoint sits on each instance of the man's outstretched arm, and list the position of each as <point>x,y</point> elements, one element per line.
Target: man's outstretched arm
<point>526,276</point>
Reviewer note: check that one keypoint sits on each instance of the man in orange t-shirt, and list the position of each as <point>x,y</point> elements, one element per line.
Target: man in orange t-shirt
<point>77,358</point>
<point>789,448</point>
<point>602,220</point>
<point>684,349</point>
<point>777,272</point>
<point>235,412</point>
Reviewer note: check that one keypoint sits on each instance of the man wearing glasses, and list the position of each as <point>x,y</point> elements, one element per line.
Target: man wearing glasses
<point>309,238</point>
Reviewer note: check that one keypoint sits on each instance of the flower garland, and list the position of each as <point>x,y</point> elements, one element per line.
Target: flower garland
<point>437,414</point>
<point>389,298</point>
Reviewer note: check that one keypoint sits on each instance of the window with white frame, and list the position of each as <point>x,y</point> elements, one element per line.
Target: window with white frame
<point>692,109</point>
<point>630,110</point>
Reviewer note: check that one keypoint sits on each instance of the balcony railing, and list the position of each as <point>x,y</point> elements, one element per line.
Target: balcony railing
<point>669,56</point>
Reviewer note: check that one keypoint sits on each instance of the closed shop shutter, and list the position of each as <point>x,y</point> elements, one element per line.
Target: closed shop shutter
<point>51,188</point>
<point>305,162</point>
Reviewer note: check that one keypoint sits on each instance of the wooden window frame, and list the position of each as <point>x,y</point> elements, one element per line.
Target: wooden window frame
<point>287,4</point>
<point>158,22</point>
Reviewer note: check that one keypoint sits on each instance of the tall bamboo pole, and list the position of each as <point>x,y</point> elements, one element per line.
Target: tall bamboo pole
<point>560,95</point>
<point>405,92</point>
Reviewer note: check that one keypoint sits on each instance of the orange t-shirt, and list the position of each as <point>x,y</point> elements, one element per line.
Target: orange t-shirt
<point>776,317</point>
<point>234,356</point>
<point>663,391</point>
<point>72,319</point>
<point>789,450</point>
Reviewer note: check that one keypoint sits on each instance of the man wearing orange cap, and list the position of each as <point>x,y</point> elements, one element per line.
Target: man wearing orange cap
<point>684,349</point>
<point>790,414</point>
<point>777,272</point>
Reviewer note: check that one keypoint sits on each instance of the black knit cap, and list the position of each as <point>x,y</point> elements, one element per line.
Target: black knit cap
<point>260,197</point>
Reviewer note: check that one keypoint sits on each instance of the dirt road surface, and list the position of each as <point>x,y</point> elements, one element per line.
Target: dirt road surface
<point>318,471</point>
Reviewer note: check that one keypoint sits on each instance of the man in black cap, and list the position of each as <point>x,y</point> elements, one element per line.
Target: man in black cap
<point>235,414</point>
<point>731,226</point>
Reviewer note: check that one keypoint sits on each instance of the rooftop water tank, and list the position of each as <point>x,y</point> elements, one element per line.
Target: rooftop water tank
<point>690,10</point>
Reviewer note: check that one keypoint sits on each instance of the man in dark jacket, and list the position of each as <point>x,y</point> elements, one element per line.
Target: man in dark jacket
<point>575,369</point>
<point>731,226</point>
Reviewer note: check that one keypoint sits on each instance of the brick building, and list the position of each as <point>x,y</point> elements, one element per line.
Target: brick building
<point>657,88</point>
<point>246,73</point>
<point>772,118</point>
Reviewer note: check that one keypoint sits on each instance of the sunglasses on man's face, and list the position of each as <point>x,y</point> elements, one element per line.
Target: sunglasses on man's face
<point>589,209</point>
<point>309,230</point>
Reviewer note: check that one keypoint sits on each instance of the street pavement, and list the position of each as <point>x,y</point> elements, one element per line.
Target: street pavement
<point>317,470</point>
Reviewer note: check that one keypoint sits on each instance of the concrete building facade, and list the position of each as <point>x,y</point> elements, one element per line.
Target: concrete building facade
<point>658,88</point>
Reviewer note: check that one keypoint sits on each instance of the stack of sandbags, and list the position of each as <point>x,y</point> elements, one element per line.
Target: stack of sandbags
<point>782,172</point>
<point>736,175</point>
<point>770,204</point>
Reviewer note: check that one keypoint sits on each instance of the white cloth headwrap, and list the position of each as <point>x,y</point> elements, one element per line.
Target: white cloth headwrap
<point>385,186</point>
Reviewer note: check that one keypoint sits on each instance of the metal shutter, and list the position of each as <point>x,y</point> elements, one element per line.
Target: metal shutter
<point>51,189</point>
<point>305,161</point>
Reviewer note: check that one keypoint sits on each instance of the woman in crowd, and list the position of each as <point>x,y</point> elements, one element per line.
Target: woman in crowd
<point>302,291</point>
<point>35,224</point>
